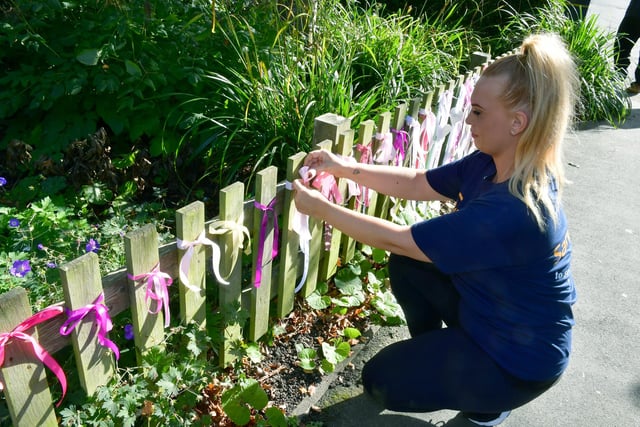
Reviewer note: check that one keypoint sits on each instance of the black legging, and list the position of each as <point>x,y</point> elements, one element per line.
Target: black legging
<point>438,368</point>
<point>626,38</point>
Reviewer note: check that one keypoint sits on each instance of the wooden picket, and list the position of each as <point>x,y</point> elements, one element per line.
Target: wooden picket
<point>187,261</point>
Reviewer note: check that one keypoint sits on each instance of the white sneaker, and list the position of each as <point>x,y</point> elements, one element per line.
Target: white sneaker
<point>478,419</point>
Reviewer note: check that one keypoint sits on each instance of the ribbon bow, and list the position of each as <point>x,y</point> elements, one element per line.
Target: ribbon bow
<point>185,262</point>
<point>102,320</point>
<point>157,283</point>
<point>263,233</point>
<point>400,140</point>
<point>19,333</point>
<point>384,153</point>
<point>238,232</point>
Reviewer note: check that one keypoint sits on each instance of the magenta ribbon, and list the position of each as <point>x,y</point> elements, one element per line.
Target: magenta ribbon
<point>326,183</point>
<point>157,283</point>
<point>400,144</point>
<point>102,320</point>
<point>19,333</point>
<point>263,233</point>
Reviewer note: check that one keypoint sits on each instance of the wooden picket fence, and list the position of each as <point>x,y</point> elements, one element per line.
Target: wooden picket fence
<point>22,373</point>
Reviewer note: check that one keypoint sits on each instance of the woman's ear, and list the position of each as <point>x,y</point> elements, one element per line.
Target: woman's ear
<point>519,122</point>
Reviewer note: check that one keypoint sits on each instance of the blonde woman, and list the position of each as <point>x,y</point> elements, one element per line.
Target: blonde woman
<point>496,271</point>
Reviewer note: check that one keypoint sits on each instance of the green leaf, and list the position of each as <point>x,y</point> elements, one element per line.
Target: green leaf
<point>253,352</point>
<point>385,303</point>
<point>170,388</point>
<point>89,56</point>
<point>318,302</point>
<point>351,333</point>
<point>275,417</point>
<point>348,284</point>
<point>236,399</point>
<point>132,68</point>
<point>354,300</point>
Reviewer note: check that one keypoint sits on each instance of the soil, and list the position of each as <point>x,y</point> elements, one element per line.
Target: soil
<point>286,383</point>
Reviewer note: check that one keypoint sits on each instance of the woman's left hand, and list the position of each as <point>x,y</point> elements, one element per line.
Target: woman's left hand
<point>308,201</point>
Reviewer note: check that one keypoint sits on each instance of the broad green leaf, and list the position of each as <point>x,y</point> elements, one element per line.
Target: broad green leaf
<point>89,56</point>
<point>132,68</point>
<point>351,333</point>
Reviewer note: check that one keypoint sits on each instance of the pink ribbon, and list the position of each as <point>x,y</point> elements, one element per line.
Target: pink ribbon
<point>326,183</point>
<point>19,333</point>
<point>102,320</point>
<point>384,153</point>
<point>263,233</point>
<point>157,283</point>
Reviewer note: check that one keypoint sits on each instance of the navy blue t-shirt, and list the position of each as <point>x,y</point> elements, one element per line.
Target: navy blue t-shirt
<point>514,280</point>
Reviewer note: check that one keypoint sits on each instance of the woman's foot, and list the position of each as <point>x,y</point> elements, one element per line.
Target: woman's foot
<point>486,419</point>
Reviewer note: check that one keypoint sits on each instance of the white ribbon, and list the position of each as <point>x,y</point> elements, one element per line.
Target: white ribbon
<point>185,263</point>
<point>300,225</point>
<point>238,233</point>
<point>385,152</point>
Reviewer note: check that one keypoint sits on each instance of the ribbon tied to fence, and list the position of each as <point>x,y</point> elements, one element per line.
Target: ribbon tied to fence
<point>185,262</point>
<point>400,140</point>
<point>263,233</point>
<point>157,283</point>
<point>300,225</point>
<point>238,233</point>
<point>102,319</point>
<point>19,332</point>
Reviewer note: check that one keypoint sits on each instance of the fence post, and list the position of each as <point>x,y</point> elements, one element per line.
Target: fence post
<point>189,226</point>
<point>82,285</point>
<point>288,277</point>
<point>266,182</point>
<point>330,260</point>
<point>141,253</point>
<point>22,374</point>
<point>382,201</point>
<point>231,209</point>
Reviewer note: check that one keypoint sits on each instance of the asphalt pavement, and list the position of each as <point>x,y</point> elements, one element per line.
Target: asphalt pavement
<point>601,387</point>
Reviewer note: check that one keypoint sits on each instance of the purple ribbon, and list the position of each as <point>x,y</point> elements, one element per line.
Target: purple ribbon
<point>263,233</point>
<point>400,144</point>
<point>157,283</point>
<point>102,320</point>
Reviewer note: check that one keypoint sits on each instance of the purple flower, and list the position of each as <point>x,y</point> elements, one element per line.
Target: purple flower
<point>20,268</point>
<point>41,247</point>
<point>51,264</point>
<point>3,181</point>
<point>92,246</point>
<point>128,331</point>
<point>14,222</point>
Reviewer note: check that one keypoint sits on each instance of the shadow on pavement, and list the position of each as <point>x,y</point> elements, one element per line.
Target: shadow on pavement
<point>361,410</point>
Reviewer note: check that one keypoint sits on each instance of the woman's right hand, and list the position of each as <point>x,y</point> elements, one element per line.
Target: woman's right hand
<point>323,160</point>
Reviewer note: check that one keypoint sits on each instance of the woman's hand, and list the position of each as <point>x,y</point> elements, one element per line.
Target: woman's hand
<point>323,160</point>
<point>308,201</point>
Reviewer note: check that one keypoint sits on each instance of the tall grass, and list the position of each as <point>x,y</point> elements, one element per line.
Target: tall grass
<point>280,67</point>
<point>603,95</point>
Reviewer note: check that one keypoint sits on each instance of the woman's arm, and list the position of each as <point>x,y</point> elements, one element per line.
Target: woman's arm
<point>395,181</point>
<point>367,229</point>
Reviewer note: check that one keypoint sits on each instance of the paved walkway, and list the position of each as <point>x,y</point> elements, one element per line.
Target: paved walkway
<point>601,387</point>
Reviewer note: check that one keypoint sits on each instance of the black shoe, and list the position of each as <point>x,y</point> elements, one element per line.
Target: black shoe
<point>486,419</point>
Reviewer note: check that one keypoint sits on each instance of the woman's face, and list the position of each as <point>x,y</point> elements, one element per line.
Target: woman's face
<point>491,122</point>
